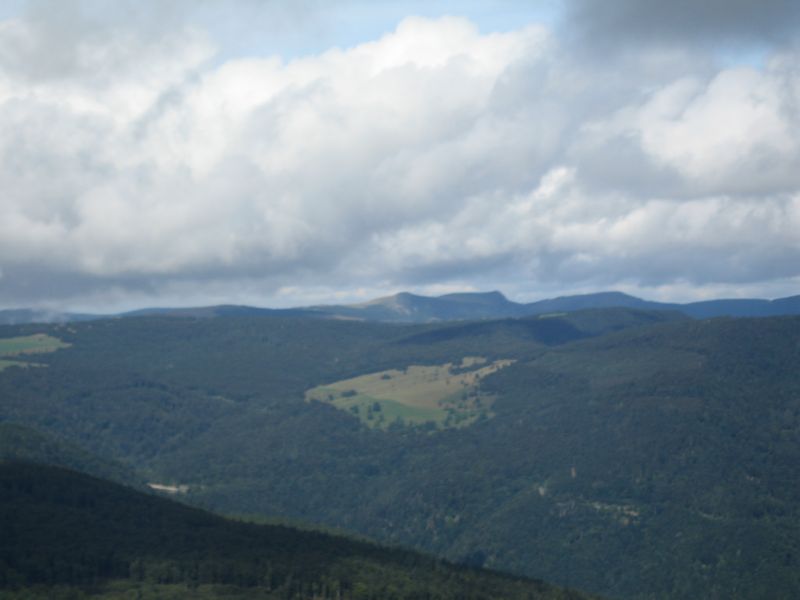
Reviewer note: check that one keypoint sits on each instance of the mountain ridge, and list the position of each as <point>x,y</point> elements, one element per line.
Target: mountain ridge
<point>406,307</point>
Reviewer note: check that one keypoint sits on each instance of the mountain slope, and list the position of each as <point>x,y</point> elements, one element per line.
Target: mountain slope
<point>660,460</point>
<point>18,443</point>
<point>598,300</point>
<point>143,389</point>
<point>411,308</point>
<point>62,527</point>
<point>656,459</point>
<point>739,307</point>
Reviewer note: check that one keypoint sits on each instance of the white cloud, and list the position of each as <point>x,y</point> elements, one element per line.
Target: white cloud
<point>436,155</point>
<point>724,133</point>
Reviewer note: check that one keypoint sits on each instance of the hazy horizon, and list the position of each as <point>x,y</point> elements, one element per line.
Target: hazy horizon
<point>343,300</point>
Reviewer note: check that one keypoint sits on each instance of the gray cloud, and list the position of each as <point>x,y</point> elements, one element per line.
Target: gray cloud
<point>615,23</point>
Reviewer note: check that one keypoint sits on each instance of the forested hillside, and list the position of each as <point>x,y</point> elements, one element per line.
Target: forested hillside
<point>630,453</point>
<point>66,534</point>
<point>18,443</point>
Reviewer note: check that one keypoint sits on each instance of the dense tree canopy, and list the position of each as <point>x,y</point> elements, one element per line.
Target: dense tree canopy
<point>629,453</point>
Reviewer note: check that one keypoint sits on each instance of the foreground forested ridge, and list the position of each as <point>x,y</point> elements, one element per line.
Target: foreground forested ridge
<point>23,444</point>
<point>64,528</point>
<point>631,453</point>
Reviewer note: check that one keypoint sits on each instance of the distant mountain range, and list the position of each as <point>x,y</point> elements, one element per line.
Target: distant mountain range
<point>411,308</point>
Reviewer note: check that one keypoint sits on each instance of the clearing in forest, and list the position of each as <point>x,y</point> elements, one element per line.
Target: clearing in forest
<point>38,343</point>
<point>445,395</point>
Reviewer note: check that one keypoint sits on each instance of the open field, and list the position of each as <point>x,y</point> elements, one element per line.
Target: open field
<point>446,395</point>
<point>30,344</point>
<point>4,364</point>
<point>38,343</point>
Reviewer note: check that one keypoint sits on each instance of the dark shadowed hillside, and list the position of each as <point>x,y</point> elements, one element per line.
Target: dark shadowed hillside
<point>18,443</point>
<point>62,528</point>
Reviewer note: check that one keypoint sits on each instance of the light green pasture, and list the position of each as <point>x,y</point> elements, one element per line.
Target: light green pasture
<point>38,343</point>
<point>445,395</point>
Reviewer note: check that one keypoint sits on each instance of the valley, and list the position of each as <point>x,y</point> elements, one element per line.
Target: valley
<point>627,453</point>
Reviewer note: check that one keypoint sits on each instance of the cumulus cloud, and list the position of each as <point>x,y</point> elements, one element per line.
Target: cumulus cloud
<point>437,155</point>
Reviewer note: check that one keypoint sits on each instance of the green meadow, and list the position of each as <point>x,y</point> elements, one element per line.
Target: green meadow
<point>445,395</point>
<point>38,343</point>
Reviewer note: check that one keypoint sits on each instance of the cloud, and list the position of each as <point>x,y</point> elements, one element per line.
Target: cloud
<point>561,232</point>
<point>731,131</point>
<point>620,23</point>
<point>147,166</point>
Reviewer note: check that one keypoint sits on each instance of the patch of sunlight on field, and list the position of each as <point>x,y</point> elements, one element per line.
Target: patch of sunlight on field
<point>30,344</point>
<point>38,343</point>
<point>445,395</point>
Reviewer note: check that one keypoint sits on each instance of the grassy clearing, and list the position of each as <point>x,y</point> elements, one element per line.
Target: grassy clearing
<point>445,395</point>
<point>38,343</point>
<point>4,364</point>
<point>30,344</point>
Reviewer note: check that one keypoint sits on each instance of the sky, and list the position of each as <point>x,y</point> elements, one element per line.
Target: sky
<point>177,153</point>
